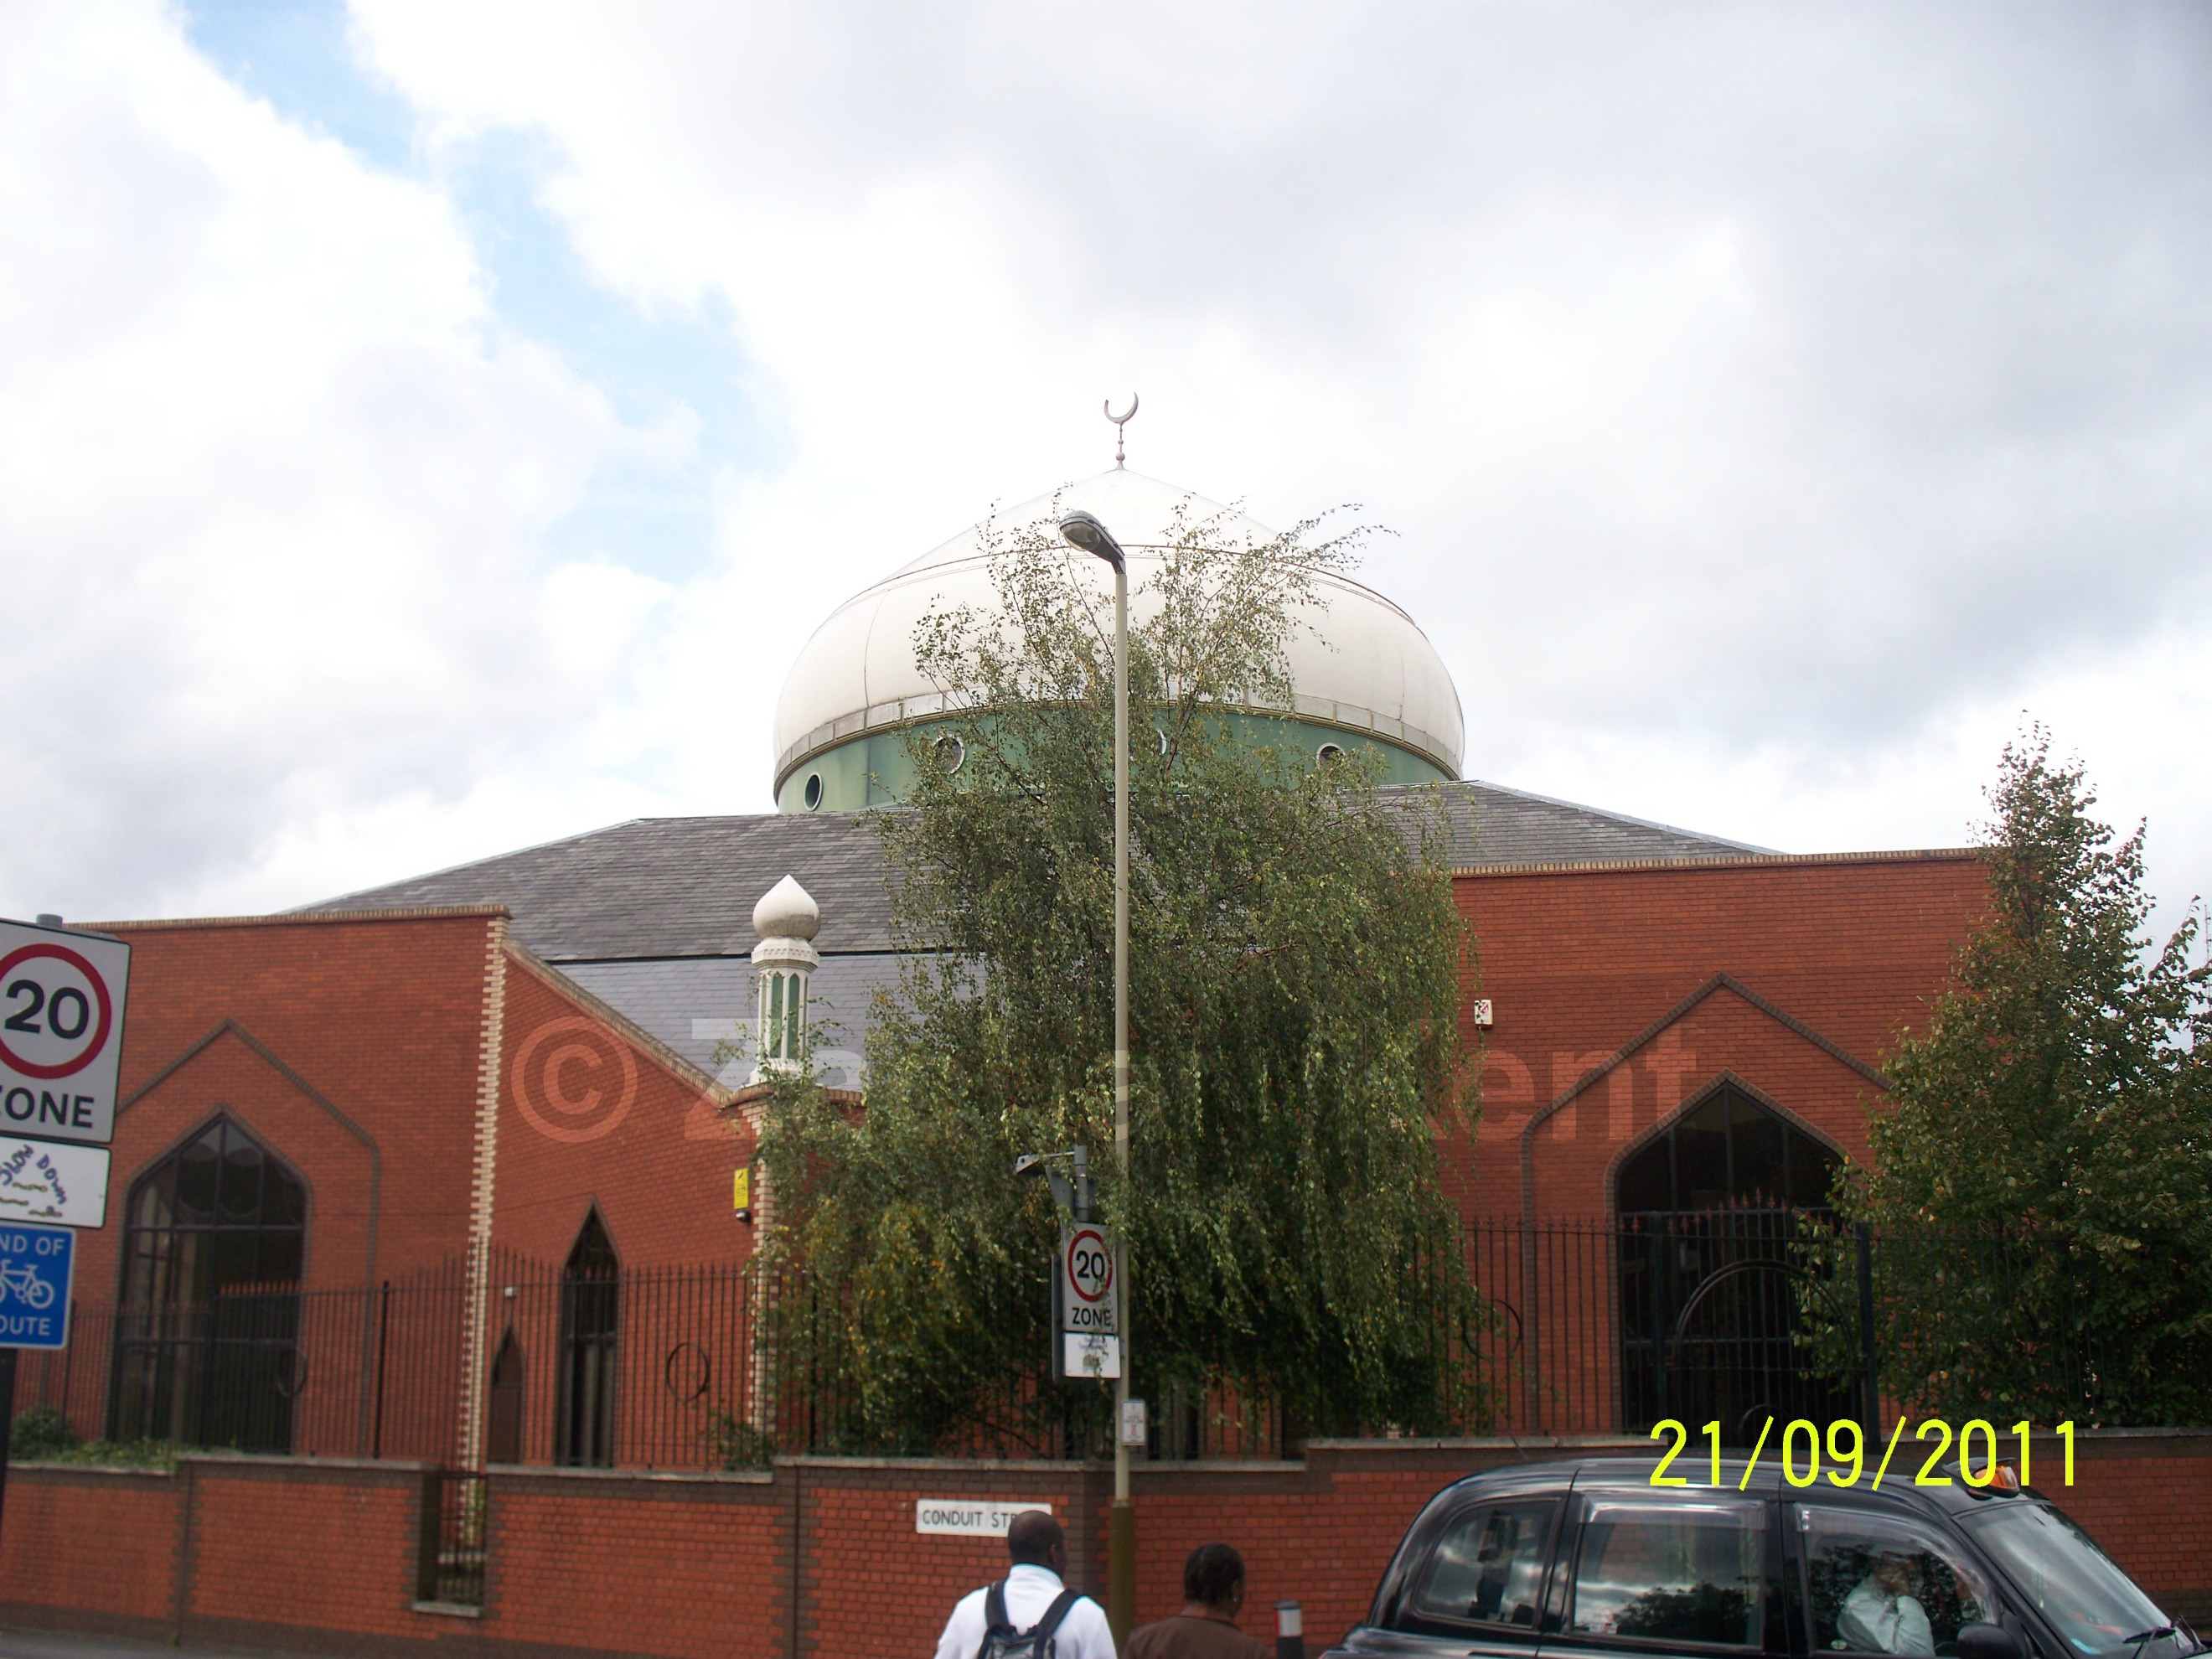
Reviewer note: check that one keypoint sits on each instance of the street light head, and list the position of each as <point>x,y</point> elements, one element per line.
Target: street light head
<point>1081,529</point>
<point>1027,1162</point>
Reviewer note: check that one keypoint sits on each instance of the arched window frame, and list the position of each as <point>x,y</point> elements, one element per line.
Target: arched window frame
<point>590,1349</point>
<point>1672,1122</point>
<point>205,1348</point>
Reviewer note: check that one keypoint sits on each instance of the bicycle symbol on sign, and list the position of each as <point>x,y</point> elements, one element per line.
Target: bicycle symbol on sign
<point>25,1283</point>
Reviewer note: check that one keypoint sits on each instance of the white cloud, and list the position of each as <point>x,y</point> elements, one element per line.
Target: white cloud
<point>273,484</point>
<point>1765,398</point>
<point>1772,403</point>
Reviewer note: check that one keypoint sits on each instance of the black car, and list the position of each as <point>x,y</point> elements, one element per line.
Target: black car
<point>1588,1559</point>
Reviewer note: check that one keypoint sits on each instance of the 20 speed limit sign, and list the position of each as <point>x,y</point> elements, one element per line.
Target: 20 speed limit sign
<point>61,1032</point>
<point>1090,1300</point>
<point>1089,1263</point>
<point>1086,1295</point>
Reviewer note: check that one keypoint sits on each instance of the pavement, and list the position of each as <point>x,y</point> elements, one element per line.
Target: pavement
<point>74,1644</point>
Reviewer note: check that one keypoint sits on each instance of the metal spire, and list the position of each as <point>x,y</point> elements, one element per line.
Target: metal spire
<point>1120,421</point>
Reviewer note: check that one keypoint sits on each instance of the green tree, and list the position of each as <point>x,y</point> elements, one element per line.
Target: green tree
<point>2044,1174</point>
<point>1295,956</point>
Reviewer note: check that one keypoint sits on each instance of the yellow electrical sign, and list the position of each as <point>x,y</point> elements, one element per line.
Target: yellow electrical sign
<point>741,1192</point>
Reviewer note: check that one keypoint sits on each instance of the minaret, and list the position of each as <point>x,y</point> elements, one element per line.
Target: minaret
<point>786,918</point>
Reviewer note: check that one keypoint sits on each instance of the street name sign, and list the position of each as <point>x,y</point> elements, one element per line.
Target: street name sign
<point>36,1264</point>
<point>61,1032</point>
<point>1087,1305</point>
<point>51,1180</point>
<point>969,1518</point>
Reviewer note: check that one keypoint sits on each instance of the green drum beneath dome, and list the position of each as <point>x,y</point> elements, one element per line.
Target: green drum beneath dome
<point>877,768</point>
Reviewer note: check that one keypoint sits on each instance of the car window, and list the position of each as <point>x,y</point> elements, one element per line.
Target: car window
<point>2076,1586</point>
<point>1685,1572</point>
<point>1488,1566</point>
<point>1886,1583</point>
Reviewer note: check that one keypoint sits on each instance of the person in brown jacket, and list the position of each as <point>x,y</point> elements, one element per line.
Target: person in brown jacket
<point>1212,1595</point>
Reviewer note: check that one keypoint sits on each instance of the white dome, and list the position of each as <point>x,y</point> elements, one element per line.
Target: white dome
<point>1366,666</point>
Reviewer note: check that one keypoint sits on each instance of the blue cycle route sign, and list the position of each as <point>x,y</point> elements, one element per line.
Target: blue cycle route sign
<point>35,1266</point>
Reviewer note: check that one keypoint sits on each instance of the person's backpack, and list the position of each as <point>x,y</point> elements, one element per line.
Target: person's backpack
<point>1002,1641</point>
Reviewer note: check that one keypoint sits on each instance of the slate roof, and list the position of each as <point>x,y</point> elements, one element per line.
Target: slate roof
<point>667,887</point>
<point>660,888</point>
<point>1494,825</point>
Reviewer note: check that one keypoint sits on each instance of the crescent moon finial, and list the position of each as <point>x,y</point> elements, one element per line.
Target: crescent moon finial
<point>1120,421</point>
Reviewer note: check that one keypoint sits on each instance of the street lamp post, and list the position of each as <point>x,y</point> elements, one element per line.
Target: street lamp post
<point>1084,531</point>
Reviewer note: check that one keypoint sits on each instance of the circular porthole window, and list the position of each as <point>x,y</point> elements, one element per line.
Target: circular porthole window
<point>951,752</point>
<point>1327,752</point>
<point>813,791</point>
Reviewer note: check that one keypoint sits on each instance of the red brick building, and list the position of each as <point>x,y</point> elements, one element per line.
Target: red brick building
<point>513,1082</point>
<point>1623,993</point>
<point>487,1092</point>
<point>320,1111</point>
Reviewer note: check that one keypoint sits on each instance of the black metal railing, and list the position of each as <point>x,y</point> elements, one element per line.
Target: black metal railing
<point>456,1524</point>
<point>1576,1327</point>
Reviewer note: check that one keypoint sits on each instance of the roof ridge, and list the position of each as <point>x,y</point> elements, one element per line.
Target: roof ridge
<point>455,869</point>
<point>1617,818</point>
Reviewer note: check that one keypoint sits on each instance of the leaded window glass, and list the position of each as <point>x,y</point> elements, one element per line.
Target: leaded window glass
<point>207,1337</point>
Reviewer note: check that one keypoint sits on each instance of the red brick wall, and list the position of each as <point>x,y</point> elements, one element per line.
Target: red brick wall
<point>281,1550</point>
<point>872,1584</point>
<point>309,1555</point>
<point>91,1549</point>
<point>1578,963</point>
<point>1320,1542</point>
<point>378,1017</point>
<point>588,1116</point>
<point>692,1566</point>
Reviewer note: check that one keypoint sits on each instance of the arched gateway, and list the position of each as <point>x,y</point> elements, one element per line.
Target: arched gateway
<point>1713,1207</point>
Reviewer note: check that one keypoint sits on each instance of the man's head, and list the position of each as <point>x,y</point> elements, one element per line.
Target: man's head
<point>1893,1571</point>
<point>1036,1540</point>
<point>1213,1577</point>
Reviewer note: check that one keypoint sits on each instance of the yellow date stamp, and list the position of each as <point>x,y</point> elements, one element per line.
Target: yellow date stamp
<point>1845,1444</point>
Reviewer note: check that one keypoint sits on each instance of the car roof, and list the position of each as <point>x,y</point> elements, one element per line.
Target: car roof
<point>1632,1475</point>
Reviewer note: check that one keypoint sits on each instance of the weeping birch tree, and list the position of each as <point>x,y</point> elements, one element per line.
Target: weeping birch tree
<point>1296,958</point>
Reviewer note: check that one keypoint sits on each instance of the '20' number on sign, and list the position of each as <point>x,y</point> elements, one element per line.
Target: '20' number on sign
<point>54,1010</point>
<point>1090,1265</point>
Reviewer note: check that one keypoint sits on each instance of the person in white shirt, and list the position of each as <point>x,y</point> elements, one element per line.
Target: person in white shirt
<point>1880,1614</point>
<point>1038,1548</point>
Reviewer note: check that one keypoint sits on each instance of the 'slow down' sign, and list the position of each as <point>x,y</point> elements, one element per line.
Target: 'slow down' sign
<point>51,1181</point>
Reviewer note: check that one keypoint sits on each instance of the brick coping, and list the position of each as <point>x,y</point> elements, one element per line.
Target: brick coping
<point>1724,861</point>
<point>298,918</point>
<point>1332,1450</point>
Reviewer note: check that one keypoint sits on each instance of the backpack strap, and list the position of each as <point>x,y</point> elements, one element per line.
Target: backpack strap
<point>995,1607</point>
<point>1044,1629</point>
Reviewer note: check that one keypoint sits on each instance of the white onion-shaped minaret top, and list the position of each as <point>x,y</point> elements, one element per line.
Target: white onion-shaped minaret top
<point>787,910</point>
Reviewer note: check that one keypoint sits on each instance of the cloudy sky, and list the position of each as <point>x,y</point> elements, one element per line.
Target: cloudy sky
<point>429,428</point>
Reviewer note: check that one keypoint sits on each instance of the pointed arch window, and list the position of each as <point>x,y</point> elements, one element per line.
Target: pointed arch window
<point>1727,1152</point>
<point>591,1325</point>
<point>207,1337</point>
<point>1710,1209</point>
<point>503,1431</point>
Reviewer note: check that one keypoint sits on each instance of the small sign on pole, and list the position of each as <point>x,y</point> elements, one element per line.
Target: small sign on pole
<point>51,1181</point>
<point>1086,1304</point>
<point>61,1032</point>
<point>36,1265</point>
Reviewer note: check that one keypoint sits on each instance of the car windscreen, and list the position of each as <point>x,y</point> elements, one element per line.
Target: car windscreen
<point>2094,1606</point>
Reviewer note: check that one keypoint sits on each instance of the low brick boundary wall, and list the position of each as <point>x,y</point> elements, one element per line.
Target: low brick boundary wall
<point>323,1555</point>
